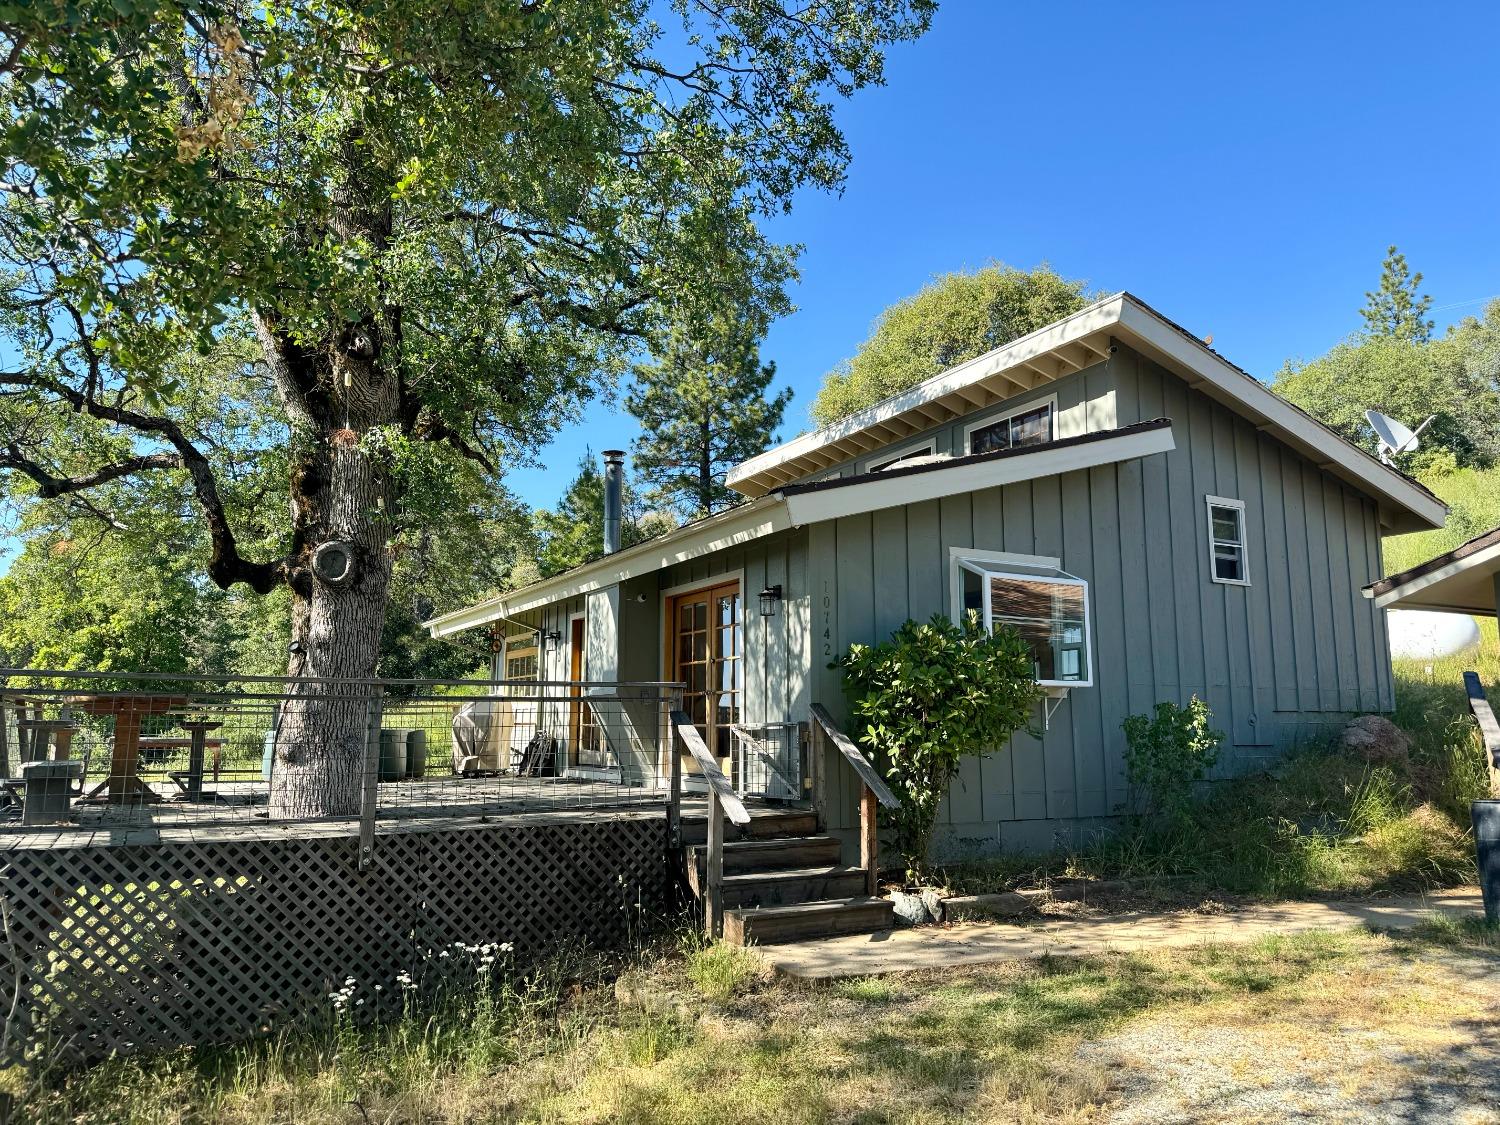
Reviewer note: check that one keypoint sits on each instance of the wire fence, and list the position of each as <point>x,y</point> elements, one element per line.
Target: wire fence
<point>85,750</point>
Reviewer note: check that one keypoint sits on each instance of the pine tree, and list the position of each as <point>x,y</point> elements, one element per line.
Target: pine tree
<point>703,408</point>
<point>573,533</point>
<point>1397,308</point>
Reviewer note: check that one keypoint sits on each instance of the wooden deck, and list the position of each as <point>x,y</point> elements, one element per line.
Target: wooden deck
<point>435,805</point>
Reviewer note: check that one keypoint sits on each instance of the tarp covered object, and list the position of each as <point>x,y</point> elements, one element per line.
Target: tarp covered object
<point>481,731</point>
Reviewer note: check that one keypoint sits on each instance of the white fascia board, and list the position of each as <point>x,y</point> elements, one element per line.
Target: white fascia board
<point>481,613</point>
<point>870,496</point>
<point>1489,557</point>
<point>1248,396</point>
<point>739,525</point>
<point>1085,322</point>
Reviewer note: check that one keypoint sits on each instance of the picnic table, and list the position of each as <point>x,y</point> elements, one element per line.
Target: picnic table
<point>124,786</point>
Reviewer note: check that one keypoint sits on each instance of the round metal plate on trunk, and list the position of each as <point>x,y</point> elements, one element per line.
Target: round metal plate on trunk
<point>333,563</point>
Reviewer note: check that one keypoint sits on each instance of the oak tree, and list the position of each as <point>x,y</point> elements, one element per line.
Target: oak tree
<point>956,318</point>
<point>445,224</point>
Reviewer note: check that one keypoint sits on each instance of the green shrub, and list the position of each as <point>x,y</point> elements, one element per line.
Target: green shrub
<point>926,698</point>
<point>1166,752</point>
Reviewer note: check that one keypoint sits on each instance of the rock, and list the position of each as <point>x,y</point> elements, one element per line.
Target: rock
<point>1376,739</point>
<point>933,901</point>
<point>967,908</point>
<point>911,910</point>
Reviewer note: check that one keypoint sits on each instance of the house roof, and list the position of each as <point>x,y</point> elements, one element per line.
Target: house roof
<point>1458,581</point>
<point>1070,345</point>
<point>933,479</point>
<point>797,505</point>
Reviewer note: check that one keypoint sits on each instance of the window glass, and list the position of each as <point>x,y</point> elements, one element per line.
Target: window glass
<point>990,438</point>
<point>1227,542</point>
<point>1050,616</point>
<point>1032,427</point>
<point>920,451</point>
<point>973,592</point>
<point>521,663</point>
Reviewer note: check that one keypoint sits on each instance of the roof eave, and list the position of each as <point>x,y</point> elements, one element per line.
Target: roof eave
<point>764,516</point>
<point>757,476</point>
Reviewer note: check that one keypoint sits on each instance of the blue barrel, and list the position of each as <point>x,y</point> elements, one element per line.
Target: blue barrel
<point>1486,816</point>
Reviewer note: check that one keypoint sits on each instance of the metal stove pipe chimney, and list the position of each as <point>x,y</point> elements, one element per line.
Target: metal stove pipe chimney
<point>614,478</point>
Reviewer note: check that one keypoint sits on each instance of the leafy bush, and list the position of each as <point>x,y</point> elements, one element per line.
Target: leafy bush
<point>1167,752</point>
<point>926,698</point>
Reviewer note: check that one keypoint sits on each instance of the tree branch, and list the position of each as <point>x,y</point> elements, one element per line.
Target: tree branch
<point>226,565</point>
<point>49,487</point>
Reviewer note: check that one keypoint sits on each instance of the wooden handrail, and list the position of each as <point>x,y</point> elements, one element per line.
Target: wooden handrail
<point>722,801</point>
<point>734,808</point>
<point>873,781</point>
<point>872,789</point>
<point>1489,728</point>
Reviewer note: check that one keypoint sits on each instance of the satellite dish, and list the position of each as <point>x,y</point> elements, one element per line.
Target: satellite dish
<point>1395,439</point>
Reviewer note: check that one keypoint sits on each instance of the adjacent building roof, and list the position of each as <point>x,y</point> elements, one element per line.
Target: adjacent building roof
<point>1070,345</point>
<point>1458,581</point>
<point>797,505</point>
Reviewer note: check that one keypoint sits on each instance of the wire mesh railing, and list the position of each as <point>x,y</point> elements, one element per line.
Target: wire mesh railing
<point>85,750</point>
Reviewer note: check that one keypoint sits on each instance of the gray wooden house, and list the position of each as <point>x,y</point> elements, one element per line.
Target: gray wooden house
<point>1155,521</point>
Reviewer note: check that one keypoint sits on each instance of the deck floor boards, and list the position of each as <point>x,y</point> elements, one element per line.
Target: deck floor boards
<point>442,804</point>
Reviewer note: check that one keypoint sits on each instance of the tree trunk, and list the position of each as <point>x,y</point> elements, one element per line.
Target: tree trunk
<point>321,750</point>
<point>340,494</point>
<point>337,395</point>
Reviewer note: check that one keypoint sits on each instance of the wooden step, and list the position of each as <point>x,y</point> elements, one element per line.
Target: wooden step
<point>764,824</point>
<point>776,854</point>
<point>785,888</point>
<point>770,925</point>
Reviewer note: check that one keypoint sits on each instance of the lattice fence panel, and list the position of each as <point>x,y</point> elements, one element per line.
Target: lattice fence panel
<point>127,948</point>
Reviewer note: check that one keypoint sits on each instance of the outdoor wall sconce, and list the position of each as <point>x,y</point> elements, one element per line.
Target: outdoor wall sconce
<point>550,637</point>
<point>768,599</point>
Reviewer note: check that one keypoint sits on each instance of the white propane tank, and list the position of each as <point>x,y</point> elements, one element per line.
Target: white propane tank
<point>1421,634</point>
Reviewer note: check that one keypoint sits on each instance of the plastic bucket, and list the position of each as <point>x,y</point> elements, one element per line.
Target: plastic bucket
<point>393,754</point>
<point>1486,816</point>
<point>416,753</point>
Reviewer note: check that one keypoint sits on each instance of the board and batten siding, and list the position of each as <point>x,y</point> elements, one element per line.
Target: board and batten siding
<point>1085,404</point>
<point>1279,661</point>
<point>777,649</point>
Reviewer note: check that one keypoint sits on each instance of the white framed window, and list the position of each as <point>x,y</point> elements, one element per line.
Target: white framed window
<point>522,661</point>
<point>1047,606</point>
<point>1227,554</point>
<point>1031,423</point>
<point>891,458</point>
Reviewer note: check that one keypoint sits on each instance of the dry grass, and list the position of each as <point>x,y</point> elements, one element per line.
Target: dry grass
<point>700,1039</point>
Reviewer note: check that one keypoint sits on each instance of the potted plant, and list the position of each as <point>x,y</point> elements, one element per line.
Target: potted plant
<point>925,699</point>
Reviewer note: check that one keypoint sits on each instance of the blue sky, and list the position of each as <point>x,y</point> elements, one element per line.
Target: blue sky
<point>1242,168</point>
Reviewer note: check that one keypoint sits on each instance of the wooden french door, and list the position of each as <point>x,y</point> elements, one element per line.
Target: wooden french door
<point>706,648</point>
<point>585,746</point>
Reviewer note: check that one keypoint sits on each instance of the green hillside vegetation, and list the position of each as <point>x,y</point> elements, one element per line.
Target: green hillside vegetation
<point>1473,498</point>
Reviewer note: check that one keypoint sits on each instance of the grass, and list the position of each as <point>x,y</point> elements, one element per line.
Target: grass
<point>1021,1041</point>
<point>719,971</point>
<point>1324,822</point>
